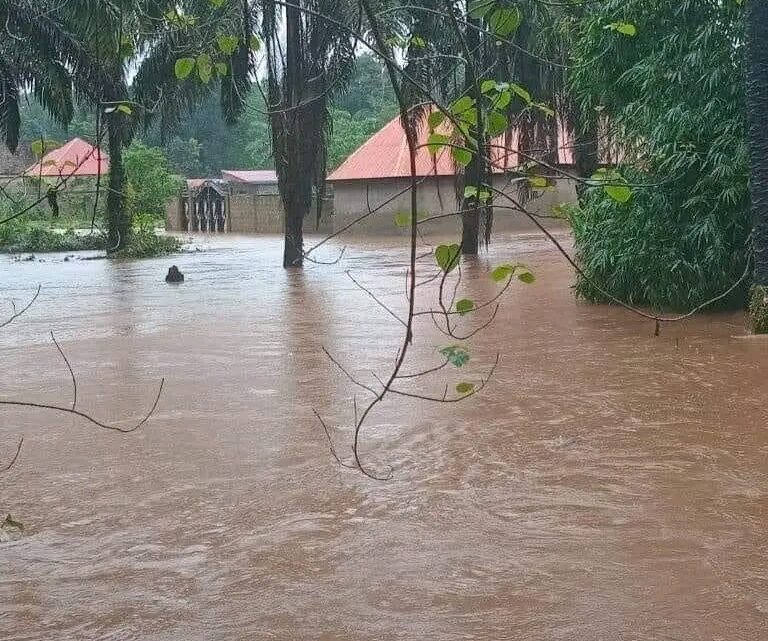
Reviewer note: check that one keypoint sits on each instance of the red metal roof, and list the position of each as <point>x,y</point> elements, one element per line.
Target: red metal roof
<point>258,177</point>
<point>76,158</point>
<point>385,155</point>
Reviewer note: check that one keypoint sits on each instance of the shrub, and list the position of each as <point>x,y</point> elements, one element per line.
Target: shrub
<point>656,251</point>
<point>144,243</point>
<point>150,182</point>
<point>22,236</point>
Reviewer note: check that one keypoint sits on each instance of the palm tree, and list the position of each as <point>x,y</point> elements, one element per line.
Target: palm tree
<point>308,61</point>
<point>40,53</point>
<point>757,116</point>
<point>65,49</point>
<point>313,62</point>
<point>532,54</point>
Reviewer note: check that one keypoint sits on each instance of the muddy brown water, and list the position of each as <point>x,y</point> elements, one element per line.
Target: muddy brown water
<point>606,486</point>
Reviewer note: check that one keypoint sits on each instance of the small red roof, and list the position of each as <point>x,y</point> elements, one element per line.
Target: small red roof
<point>76,158</point>
<point>385,155</point>
<point>258,177</point>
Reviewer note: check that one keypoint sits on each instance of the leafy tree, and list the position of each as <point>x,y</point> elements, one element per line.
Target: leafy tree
<point>369,92</point>
<point>150,180</point>
<point>671,89</point>
<point>308,65</point>
<point>184,156</point>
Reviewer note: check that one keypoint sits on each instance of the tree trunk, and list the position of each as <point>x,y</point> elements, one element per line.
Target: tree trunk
<point>475,212</point>
<point>293,254</point>
<point>757,119</point>
<point>118,219</point>
<point>294,200</point>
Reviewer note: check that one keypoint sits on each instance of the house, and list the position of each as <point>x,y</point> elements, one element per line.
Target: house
<point>261,181</point>
<point>245,202</point>
<point>75,159</point>
<point>376,178</point>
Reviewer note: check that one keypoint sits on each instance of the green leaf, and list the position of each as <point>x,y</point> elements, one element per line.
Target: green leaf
<point>456,355</point>
<point>204,67</point>
<point>447,257</point>
<point>125,109</point>
<point>502,272</point>
<point>221,68</point>
<point>502,100</point>
<point>462,156</point>
<point>478,9</point>
<point>217,3</point>
<point>505,21</point>
<point>227,44</point>
<point>625,28</point>
<point>461,105</point>
<point>403,219</point>
<point>184,67</point>
<point>538,182</point>
<point>470,191</point>
<point>254,43</point>
<point>418,42</point>
<point>436,118</point>
<point>620,193</point>
<point>497,123</point>
<point>464,306</point>
<point>521,91</point>
<point>465,388</point>
<point>488,86</point>
<point>436,142</point>
<point>526,276</point>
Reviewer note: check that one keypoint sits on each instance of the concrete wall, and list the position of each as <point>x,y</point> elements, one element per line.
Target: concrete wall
<point>250,214</point>
<point>247,214</point>
<point>435,196</point>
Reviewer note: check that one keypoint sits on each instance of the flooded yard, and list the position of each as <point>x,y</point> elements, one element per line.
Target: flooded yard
<point>607,485</point>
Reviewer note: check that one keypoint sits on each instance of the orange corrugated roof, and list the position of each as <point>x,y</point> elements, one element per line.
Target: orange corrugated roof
<point>385,155</point>
<point>76,158</point>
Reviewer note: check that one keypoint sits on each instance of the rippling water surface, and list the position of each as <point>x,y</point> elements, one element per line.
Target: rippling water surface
<point>606,486</point>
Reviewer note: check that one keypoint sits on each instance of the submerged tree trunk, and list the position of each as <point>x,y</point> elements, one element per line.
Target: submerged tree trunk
<point>291,128</point>
<point>757,117</point>
<point>118,218</point>
<point>476,217</point>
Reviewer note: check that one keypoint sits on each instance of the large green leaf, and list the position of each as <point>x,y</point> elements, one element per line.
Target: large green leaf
<point>447,257</point>
<point>227,44</point>
<point>497,123</point>
<point>620,193</point>
<point>465,388</point>
<point>462,156</point>
<point>480,8</point>
<point>505,21</point>
<point>184,67</point>
<point>464,306</point>
<point>436,142</point>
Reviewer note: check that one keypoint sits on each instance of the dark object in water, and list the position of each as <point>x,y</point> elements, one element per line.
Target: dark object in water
<point>174,275</point>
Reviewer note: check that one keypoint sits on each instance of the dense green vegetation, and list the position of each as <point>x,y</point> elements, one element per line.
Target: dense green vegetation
<point>674,96</point>
<point>25,236</point>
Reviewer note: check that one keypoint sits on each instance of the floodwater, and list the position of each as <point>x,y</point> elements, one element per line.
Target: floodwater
<point>607,485</point>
